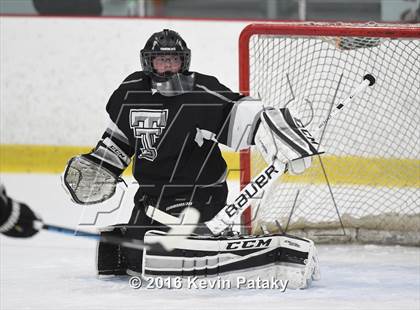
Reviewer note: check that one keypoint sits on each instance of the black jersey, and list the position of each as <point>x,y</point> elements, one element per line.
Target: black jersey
<point>168,137</point>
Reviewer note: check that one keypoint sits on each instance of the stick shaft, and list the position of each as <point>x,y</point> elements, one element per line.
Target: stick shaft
<point>126,242</point>
<point>359,89</point>
<point>179,230</point>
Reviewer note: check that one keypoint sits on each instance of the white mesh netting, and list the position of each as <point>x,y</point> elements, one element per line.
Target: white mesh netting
<point>369,178</point>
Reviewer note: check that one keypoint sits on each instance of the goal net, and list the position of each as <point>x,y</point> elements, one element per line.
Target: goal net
<point>365,188</point>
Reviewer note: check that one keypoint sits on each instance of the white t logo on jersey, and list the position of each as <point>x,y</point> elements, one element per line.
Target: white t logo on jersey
<point>148,126</point>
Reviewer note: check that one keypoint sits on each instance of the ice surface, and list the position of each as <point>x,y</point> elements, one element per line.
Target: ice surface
<point>52,271</point>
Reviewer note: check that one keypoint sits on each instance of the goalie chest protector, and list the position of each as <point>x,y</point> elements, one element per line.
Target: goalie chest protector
<point>162,132</point>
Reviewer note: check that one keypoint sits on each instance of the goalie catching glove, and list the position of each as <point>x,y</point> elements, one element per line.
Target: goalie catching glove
<point>92,178</point>
<point>282,137</point>
<point>88,182</point>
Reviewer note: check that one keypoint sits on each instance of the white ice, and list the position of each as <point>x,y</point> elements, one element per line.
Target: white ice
<point>53,271</point>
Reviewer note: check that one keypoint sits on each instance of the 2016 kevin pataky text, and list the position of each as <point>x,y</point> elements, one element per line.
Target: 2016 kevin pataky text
<point>195,282</point>
<point>238,282</point>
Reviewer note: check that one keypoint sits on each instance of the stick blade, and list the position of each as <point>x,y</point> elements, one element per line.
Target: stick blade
<point>179,232</point>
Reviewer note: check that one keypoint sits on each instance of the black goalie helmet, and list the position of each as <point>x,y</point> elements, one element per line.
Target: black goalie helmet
<point>166,42</point>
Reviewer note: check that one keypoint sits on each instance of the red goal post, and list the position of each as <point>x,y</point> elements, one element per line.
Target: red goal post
<point>333,41</point>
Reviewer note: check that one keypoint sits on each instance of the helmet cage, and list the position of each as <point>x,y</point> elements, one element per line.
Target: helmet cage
<point>148,56</point>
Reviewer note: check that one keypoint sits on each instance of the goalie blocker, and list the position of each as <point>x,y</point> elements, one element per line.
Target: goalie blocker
<point>284,138</point>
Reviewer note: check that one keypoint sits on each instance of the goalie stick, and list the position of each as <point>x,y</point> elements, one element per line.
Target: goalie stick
<point>126,242</point>
<point>231,212</point>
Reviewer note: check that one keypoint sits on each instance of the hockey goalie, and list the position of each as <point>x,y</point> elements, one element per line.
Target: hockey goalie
<point>170,122</point>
